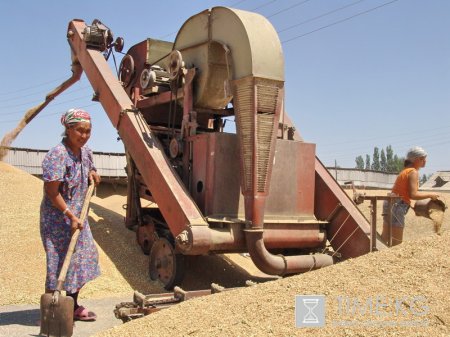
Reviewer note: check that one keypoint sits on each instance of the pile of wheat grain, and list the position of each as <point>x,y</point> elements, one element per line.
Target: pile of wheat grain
<point>415,268</point>
<point>123,265</point>
<point>22,272</point>
<point>409,282</point>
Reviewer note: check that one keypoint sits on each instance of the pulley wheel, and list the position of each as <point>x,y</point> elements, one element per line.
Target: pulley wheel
<point>126,70</point>
<point>118,44</point>
<point>165,265</point>
<point>175,148</point>
<point>175,64</point>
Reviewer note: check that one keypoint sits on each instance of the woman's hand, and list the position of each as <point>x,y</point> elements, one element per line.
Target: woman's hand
<point>75,224</point>
<point>434,196</point>
<point>94,177</point>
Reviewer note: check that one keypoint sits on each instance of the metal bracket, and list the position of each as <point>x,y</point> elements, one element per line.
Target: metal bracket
<point>123,113</point>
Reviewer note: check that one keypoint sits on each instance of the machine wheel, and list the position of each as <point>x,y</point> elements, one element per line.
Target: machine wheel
<point>144,238</point>
<point>165,265</point>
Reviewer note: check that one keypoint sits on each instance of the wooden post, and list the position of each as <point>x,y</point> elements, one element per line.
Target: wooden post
<point>373,231</point>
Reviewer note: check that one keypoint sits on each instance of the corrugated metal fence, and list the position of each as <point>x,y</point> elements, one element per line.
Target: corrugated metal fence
<point>109,165</point>
<point>363,178</point>
<point>112,165</point>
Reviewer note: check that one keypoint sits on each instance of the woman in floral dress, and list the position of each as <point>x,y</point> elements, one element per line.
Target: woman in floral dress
<point>67,170</point>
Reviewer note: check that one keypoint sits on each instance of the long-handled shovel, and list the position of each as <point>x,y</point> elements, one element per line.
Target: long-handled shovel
<point>57,309</point>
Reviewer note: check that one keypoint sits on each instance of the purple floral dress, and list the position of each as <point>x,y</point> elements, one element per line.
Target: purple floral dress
<point>60,164</point>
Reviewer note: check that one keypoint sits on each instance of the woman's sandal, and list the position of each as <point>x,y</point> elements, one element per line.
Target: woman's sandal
<point>83,314</point>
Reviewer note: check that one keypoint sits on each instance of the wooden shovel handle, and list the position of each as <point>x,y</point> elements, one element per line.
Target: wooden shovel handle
<point>74,239</point>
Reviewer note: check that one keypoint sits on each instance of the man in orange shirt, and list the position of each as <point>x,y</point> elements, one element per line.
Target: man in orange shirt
<point>406,187</point>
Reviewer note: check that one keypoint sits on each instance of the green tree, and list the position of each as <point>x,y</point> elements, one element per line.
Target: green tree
<point>398,163</point>
<point>386,161</point>
<point>383,162</point>
<point>367,162</point>
<point>390,163</point>
<point>359,163</point>
<point>376,159</point>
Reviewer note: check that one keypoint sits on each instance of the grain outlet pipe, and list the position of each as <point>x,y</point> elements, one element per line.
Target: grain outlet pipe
<point>279,264</point>
<point>198,240</point>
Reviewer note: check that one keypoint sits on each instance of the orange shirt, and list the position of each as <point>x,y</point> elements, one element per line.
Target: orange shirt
<point>401,185</point>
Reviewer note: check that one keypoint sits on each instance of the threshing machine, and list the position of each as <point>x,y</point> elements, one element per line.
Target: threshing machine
<point>259,190</point>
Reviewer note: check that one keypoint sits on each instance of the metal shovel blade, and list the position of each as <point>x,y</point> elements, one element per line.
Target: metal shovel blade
<point>56,316</point>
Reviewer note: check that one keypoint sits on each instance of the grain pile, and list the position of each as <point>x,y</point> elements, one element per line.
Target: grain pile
<point>124,267</point>
<point>419,268</point>
<point>410,281</point>
<point>22,274</point>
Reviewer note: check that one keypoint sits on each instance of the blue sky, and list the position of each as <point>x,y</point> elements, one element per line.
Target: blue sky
<point>354,80</point>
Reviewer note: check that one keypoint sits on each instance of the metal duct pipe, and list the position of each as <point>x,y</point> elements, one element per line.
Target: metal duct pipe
<point>279,264</point>
<point>198,240</point>
<point>202,240</point>
<point>293,236</point>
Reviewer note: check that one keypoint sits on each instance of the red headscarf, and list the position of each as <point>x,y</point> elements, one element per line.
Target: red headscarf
<point>73,116</point>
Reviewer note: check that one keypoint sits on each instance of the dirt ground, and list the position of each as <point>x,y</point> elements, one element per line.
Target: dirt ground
<point>420,266</point>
